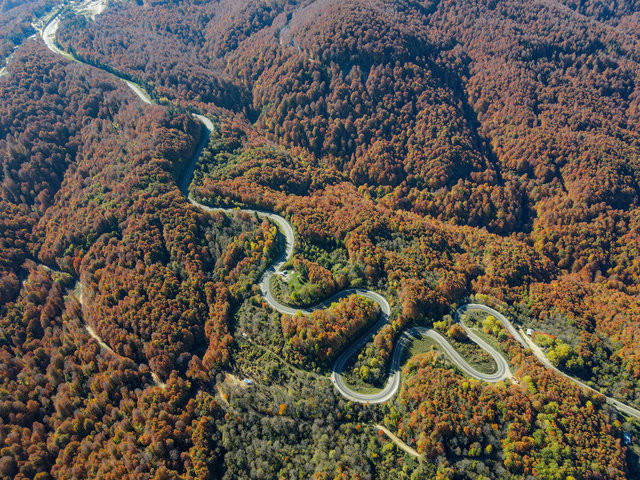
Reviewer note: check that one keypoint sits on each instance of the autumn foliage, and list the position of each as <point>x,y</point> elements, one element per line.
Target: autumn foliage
<point>319,336</point>
<point>425,150</point>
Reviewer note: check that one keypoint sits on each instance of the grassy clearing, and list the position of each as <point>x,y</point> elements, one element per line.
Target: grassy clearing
<point>475,320</point>
<point>470,352</point>
<point>365,389</point>
<point>418,346</point>
<point>474,355</point>
<point>294,281</point>
<point>490,339</point>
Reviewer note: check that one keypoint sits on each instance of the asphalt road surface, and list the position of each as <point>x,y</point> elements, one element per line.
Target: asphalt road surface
<point>48,34</point>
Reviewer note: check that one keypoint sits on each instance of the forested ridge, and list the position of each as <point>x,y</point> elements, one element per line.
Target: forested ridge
<point>15,22</point>
<point>434,152</point>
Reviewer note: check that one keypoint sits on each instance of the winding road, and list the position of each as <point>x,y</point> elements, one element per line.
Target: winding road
<point>390,389</point>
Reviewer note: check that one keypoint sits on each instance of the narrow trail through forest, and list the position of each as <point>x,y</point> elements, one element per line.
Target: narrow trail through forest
<point>403,446</point>
<point>502,373</point>
<point>77,290</point>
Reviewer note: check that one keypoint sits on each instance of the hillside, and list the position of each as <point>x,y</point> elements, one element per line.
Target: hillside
<point>432,153</point>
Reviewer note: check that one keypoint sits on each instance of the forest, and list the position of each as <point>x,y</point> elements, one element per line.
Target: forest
<point>435,152</point>
<point>15,24</point>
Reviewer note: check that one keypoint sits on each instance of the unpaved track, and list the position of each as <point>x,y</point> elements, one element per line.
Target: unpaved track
<point>403,446</point>
<point>78,292</point>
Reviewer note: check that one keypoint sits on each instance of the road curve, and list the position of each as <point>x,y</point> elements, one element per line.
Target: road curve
<point>502,372</point>
<point>393,383</point>
<point>478,307</point>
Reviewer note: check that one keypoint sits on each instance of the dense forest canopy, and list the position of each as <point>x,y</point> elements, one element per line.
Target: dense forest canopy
<point>436,152</point>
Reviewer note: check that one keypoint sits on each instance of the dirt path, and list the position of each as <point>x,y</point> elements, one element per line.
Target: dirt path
<point>78,292</point>
<point>403,446</point>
